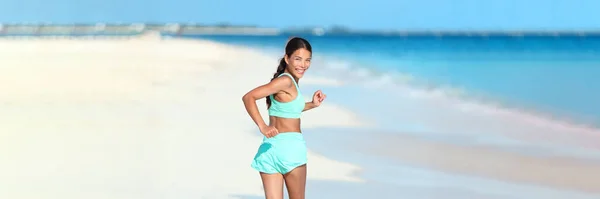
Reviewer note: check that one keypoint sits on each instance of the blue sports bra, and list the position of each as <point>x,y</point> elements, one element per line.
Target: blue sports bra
<point>291,109</point>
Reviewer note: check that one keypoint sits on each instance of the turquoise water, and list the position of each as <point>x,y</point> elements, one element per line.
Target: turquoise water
<point>556,75</point>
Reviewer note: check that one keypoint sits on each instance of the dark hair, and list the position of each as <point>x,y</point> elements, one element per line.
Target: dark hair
<point>292,45</point>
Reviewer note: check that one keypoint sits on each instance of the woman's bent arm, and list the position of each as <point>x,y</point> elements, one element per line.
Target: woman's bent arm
<point>260,92</point>
<point>309,105</point>
<point>252,109</point>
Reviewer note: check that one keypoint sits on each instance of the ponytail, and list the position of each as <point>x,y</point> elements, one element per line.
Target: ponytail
<point>280,70</point>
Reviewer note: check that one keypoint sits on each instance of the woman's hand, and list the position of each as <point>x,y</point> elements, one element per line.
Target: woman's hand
<point>269,131</point>
<point>318,97</point>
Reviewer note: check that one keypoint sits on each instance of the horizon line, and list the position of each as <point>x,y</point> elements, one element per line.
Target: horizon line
<point>337,28</point>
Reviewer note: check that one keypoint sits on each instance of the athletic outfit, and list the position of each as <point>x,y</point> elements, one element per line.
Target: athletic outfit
<point>286,150</point>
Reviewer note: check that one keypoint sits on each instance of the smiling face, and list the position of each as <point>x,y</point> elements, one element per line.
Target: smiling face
<point>298,62</point>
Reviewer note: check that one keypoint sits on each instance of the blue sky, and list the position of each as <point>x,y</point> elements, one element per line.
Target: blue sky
<point>366,14</point>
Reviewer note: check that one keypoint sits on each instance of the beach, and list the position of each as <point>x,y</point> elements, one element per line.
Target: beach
<point>151,117</point>
<point>139,118</point>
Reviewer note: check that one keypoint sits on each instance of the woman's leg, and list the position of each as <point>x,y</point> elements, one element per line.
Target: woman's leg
<point>295,181</point>
<point>273,185</point>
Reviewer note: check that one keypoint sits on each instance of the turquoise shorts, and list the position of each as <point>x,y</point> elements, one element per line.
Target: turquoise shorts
<point>280,154</point>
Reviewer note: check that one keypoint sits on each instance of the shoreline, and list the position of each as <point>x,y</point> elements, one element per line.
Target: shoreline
<point>440,116</point>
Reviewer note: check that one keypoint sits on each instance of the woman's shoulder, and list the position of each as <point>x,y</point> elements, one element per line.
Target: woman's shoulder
<point>283,80</point>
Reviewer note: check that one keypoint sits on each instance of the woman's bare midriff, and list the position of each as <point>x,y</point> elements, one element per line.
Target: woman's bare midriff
<point>284,125</point>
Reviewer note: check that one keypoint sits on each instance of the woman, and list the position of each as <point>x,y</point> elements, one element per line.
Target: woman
<point>282,155</point>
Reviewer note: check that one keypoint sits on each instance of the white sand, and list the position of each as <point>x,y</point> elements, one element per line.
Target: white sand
<point>142,118</point>
<point>567,173</point>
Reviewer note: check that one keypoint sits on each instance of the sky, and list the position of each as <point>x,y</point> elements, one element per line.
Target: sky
<point>366,14</point>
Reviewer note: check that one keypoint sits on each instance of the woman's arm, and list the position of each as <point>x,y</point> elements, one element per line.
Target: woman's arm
<point>260,92</point>
<point>318,97</point>
<point>309,105</point>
